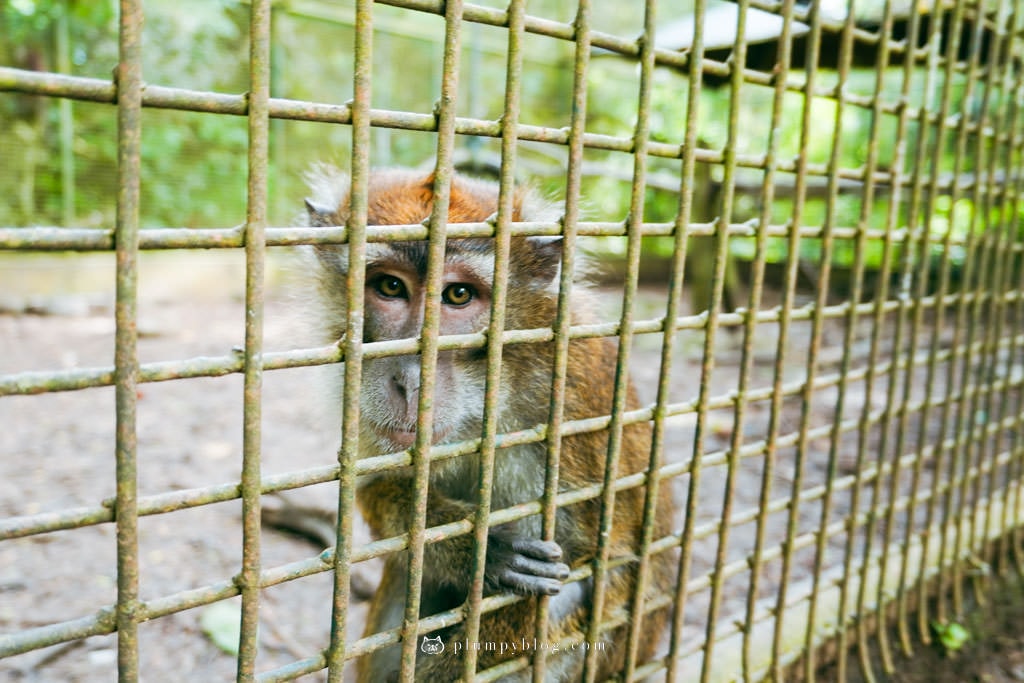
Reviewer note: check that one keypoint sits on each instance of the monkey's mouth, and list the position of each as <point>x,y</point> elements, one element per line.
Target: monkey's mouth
<point>405,438</point>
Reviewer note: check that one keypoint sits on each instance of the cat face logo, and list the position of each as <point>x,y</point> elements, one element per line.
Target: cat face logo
<point>432,646</point>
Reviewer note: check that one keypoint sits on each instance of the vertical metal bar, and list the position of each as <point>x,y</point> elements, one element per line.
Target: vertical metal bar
<point>863,471</point>
<point>1009,540</point>
<point>827,252</point>
<point>563,319</point>
<point>999,161</point>
<point>126,361</point>
<point>496,326</point>
<point>785,318</point>
<point>353,341</point>
<point>431,327</point>
<point>821,539</point>
<point>987,301</point>
<point>892,216</point>
<point>681,227</point>
<point>739,60</point>
<point>747,358</point>
<point>1015,551</point>
<point>913,289</point>
<point>255,251</point>
<point>668,346</point>
<point>878,323</point>
<point>950,577</point>
<point>931,373</point>
<point>634,225</point>
<point>985,294</point>
<point>817,321</point>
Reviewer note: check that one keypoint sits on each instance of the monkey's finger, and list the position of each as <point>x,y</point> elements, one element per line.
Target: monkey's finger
<point>525,584</point>
<point>550,570</point>
<point>542,550</point>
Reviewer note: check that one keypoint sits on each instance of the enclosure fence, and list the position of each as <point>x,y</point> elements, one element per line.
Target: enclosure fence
<point>882,432</point>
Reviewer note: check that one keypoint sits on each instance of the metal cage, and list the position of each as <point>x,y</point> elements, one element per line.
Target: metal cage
<point>839,490</point>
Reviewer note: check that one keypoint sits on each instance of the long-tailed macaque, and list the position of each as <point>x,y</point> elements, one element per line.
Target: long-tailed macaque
<point>517,559</point>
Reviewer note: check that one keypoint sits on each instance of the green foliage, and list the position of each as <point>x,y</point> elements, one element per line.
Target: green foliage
<point>194,165</point>
<point>952,636</point>
<point>222,624</point>
<point>201,45</point>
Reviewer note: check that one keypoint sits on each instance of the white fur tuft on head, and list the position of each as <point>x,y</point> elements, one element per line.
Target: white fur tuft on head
<point>328,185</point>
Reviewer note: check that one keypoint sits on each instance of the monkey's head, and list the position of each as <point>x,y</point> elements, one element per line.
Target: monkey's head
<point>395,298</point>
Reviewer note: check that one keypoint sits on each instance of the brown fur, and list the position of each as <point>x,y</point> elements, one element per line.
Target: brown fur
<point>403,197</point>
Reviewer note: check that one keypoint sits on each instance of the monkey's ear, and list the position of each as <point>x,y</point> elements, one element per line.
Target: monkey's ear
<point>321,216</point>
<point>547,251</point>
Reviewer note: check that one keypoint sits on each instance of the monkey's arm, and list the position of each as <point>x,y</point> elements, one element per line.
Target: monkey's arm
<point>386,501</point>
<point>514,562</point>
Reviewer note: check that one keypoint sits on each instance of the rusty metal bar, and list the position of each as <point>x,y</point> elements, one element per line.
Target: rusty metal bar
<point>725,208</point>
<point>563,317</point>
<point>832,485</point>
<point>1010,541</point>
<point>932,160</point>
<point>102,622</point>
<point>913,287</point>
<point>39,382</point>
<point>820,303</point>
<point>904,270</point>
<point>668,346</point>
<point>98,90</point>
<point>255,253</point>
<point>438,224</point>
<point>851,529</point>
<point>1001,282</point>
<point>746,362</point>
<point>682,219</point>
<point>611,43</point>
<point>979,226</point>
<point>62,48</point>
<point>354,353</point>
<point>949,580</point>
<point>495,330</point>
<point>93,239</point>
<point>126,362</point>
<point>602,575</point>
<point>877,324</point>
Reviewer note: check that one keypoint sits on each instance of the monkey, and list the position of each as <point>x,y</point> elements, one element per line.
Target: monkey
<point>517,559</point>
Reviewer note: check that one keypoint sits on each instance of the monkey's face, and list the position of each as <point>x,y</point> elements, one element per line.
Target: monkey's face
<point>395,302</point>
<point>395,299</point>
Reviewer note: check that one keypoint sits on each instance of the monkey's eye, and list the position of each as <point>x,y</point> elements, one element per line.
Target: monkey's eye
<point>457,294</point>
<point>390,286</point>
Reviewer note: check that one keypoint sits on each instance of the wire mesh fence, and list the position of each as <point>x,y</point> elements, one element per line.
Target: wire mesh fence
<point>826,356</point>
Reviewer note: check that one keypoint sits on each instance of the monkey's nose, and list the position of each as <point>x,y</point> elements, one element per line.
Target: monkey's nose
<point>407,389</point>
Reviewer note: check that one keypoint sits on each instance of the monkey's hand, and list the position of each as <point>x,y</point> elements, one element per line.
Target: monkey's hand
<point>527,566</point>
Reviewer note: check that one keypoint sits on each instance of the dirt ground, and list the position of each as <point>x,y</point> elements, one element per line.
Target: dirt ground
<point>57,452</point>
<point>992,651</point>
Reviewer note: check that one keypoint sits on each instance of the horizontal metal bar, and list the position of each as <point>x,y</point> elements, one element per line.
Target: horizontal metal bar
<point>154,96</point>
<point>103,621</point>
<point>15,527</point>
<point>36,382</point>
<point>92,239</point>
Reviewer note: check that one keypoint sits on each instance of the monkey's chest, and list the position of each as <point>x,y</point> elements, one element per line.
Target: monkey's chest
<point>518,477</point>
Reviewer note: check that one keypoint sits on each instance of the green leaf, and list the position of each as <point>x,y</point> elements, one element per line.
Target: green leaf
<point>953,636</point>
<point>222,623</point>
